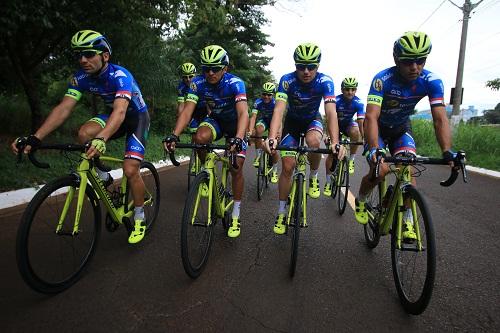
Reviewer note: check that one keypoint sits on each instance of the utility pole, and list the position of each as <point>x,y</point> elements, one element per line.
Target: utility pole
<point>457,96</point>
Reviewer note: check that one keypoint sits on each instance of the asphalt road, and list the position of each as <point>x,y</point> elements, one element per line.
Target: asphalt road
<point>340,285</point>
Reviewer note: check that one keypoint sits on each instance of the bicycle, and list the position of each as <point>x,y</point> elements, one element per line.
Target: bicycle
<point>263,171</point>
<point>297,208</point>
<point>53,214</point>
<point>208,200</point>
<point>340,176</point>
<point>194,165</point>
<point>413,276</point>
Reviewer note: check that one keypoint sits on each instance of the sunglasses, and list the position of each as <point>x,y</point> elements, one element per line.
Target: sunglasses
<point>87,54</point>
<point>213,69</point>
<point>302,67</point>
<point>188,77</point>
<point>418,61</point>
<point>267,94</point>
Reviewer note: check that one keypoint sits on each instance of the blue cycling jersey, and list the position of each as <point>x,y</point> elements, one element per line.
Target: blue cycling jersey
<point>398,98</point>
<point>221,98</point>
<point>347,109</point>
<point>304,98</point>
<point>182,90</point>
<point>262,109</point>
<point>114,82</point>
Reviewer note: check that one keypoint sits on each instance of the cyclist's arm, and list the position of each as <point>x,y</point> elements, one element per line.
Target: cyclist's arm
<point>56,117</point>
<point>253,119</point>
<point>360,126</point>
<point>441,127</point>
<point>275,127</point>
<point>180,106</point>
<point>184,117</point>
<point>371,125</point>
<point>332,122</point>
<point>115,120</point>
<point>242,110</point>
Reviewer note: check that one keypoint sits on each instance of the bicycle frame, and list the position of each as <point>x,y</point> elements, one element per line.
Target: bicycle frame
<point>221,206</point>
<point>300,168</point>
<point>403,180</point>
<point>86,174</point>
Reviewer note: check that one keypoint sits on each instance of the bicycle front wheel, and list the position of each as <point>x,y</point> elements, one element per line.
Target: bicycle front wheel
<point>414,264</point>
<point>261,176</point>
<point>374,207</point>
<point>343,185</point>
<point>196,232</point>
<point>52,260</point>
<point>295,224</point>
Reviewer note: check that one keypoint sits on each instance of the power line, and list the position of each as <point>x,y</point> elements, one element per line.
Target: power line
<point>435,10</point>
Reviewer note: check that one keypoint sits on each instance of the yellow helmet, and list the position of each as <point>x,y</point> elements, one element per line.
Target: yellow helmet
<point>307,53</point>
<point>213,55</point>
<point>411,45</point>
<point>188,68</point>
<point>90,40</point>
<point>268,88</point>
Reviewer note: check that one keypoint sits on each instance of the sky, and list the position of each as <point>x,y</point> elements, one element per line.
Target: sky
<point>356,38</point>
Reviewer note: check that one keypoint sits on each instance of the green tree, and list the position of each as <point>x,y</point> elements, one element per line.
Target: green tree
<point>492,116</point>
<point>36,35</point>
<point>494,84</point>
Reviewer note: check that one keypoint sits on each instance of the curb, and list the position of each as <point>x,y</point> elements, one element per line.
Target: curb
<point>18,197</point>
<point>22,196</point>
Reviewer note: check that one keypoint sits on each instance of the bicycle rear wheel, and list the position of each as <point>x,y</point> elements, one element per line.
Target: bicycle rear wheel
<point>414,268</point>
<point>374,207</point>
<point>50,261</point>
<point>261,176</point>
<point>295,224</point>
<point>151,181</point>
<point>343,188</point>
<point>196,233</point>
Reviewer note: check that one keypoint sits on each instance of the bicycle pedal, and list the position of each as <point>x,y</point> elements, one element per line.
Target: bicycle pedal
<point>111,225</point>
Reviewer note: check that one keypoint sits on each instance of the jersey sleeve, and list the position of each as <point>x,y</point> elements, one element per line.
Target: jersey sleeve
<point>328,89</point>
<point>255,109</point>
<point>282,93</point>
<point>376,93</point>
<point>435,89</point>
<point>123,81</point>
<point>192,92</point>
<point>239,91</point>
<point>181,96</point>
<point>360,110</point>
<point>74,88</point>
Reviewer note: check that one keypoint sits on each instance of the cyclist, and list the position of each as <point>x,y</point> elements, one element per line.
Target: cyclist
<point>303,90</point>
<point>188,72</point>
<point>127,114</point>
<point>263,110</point>
<point>348,105</point>
<point>391,100</point>
<point>225,97</point>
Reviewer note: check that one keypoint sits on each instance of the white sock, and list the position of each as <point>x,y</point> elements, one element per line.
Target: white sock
<point>313,173</point>
<point>362,197</point>
<point>236,209</point>
<point>408,215</point>
<point>139,213</point>
<point>275,168</point>
<point>351,158</point>
<point>328,179</point>
<point>259,151</point>
<point>281,209</point>
<point>102,174</point>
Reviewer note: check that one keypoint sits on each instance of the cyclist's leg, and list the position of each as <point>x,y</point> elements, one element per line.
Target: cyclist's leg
<point>206,132</point>
<point>313,140</point>
<point>405,145</point>
<point>134,155</point>
<point>355,136</point>
<point>259,131</point>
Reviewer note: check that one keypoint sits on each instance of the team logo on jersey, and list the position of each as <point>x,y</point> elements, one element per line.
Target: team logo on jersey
<point>377,85</point>
<point>193,86</point>
<point>74,82</point>
<point>285,85</point>
<point>392,103</point>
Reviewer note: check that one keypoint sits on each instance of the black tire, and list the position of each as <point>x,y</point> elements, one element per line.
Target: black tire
<point>414,270</point>
<point>190,173</point>
<point>51,262</point>
<point>196,239</point>
<point>335,175</point>
<point>228,196</point>
<point>268,163</point>
<point>151,180</point>
<point>261,176</point>
<point>343,189</point>
<point>374,207</point>
<point>295,224</point>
